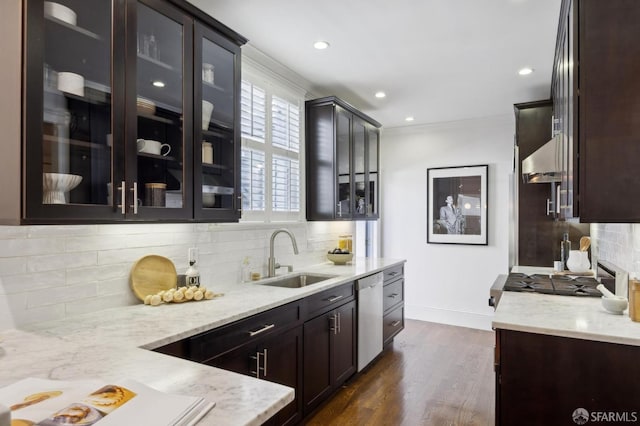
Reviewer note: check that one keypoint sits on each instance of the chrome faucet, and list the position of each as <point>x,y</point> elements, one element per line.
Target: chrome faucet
<point>272,260</point>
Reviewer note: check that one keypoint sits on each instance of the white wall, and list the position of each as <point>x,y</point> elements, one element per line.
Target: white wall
<point>446,283</point>
<point>51,272</point>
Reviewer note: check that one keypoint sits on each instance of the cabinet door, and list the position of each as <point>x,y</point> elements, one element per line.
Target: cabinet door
<point>317,354</point>
<point>158,138</point>
<point>343,349</point>
<point>283,365</point>
<point>373,143</point>
<point>343,161</point>
<point>216,148</point>
<point>360,177</point>
<point>71,124</point>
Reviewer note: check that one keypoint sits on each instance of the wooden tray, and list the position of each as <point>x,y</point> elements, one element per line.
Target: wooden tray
<point>151,274</point>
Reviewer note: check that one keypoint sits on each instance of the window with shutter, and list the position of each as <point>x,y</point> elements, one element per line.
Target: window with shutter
<point>271,127</point>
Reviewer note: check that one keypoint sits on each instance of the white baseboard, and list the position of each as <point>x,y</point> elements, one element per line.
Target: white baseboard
<point>443,316</point>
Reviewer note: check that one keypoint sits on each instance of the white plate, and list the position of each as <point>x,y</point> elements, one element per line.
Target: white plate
<point>60,12</point>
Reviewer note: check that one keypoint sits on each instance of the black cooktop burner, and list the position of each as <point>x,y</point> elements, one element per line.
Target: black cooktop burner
<point>557,284</point>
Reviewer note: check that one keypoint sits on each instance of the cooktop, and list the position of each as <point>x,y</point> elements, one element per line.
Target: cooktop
<point>563,285</point>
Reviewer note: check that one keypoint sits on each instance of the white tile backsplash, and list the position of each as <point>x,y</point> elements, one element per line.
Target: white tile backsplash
<point>49,272</point>
<point>618,243</point>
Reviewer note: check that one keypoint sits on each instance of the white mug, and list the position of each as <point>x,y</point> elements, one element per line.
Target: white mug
<point>153,147</point>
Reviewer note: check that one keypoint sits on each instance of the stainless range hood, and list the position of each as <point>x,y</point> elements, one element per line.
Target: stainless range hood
<point>544,165</point>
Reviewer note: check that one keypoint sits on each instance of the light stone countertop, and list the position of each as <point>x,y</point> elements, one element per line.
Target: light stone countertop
<point>113,343</point>
<point>565,316</point>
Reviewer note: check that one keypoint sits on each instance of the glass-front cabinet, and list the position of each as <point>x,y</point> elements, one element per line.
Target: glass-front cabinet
<point>341,161</point>
<point>130,113</point>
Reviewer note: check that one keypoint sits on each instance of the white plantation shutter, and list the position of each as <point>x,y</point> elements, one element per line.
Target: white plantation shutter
<point>285,184</point>
<point>285,124</point>
<point>253,180</point>
<point>254,111</point>
<point>270,163</point>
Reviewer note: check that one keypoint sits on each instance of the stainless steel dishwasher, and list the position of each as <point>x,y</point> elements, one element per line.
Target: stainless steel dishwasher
<point>369,318</point>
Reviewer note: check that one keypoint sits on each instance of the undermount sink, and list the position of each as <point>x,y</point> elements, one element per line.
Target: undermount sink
<point>296,280</point>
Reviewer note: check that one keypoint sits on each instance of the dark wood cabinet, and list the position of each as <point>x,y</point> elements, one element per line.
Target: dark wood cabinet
<point>114,127</point>
<point>342,168</point>
<point>543,379</point>
<point>267,346</point>
<point>539,234</point>
<point>392,303</point>
<point>596,95</point>
<point>329,353</point>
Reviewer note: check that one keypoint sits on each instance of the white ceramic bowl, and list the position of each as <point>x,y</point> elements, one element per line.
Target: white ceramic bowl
<point>340,258</point>
<point>71,83</point>
<point>60,12</point>
<point>615,305</point>
<point>54,185</point>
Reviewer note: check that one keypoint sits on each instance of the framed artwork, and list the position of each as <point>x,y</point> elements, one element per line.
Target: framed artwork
<point>457,205</point>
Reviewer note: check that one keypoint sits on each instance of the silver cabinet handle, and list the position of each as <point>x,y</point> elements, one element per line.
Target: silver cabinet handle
<point>394,273</point>
<point>395,323</point>
<point>393,295</point>
<point>333,326</point>
<point>262,330</point>
<point>549,207</point>
<point>123,197</point>
<point>134,188</point>
<point>339,322</point>
<point>333,298</point>
<point>264,361</point>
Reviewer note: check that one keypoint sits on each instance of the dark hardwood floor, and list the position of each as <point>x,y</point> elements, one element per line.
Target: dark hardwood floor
<point>434,374</point>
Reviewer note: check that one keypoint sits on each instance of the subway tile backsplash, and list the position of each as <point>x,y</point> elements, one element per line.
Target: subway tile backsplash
<point>50,272</point>
<point>618,243</point>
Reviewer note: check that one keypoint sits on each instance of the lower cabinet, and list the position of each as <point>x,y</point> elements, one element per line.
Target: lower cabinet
<point>329,353</point>
<point>393,303</point>
<point>277,359</point>
<point>551,380</point>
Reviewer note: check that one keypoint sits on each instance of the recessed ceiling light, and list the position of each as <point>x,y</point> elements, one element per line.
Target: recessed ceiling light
<point>525,71</point>
<point>158,83</point>
<point>410,118</point>
<point>321,45</point>
<point>380,94</point>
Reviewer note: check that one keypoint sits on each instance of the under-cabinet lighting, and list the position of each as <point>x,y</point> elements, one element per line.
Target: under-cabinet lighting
<point>158,83</point>
<point>380,94</point>
<point>321,45</point>
<point>525,71</point>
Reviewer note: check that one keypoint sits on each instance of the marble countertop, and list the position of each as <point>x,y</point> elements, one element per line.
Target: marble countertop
<point>114,343</point>
<point>565,316</point>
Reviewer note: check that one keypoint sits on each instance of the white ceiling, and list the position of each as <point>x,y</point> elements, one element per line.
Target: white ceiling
<point>437,60</point>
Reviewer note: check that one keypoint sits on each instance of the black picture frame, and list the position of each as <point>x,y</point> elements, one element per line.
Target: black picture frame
<point>457,205</point>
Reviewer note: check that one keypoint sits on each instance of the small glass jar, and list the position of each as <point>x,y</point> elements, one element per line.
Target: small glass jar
<point>345,242</point>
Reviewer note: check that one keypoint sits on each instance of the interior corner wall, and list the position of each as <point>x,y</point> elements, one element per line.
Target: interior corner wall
<point>446,283</point>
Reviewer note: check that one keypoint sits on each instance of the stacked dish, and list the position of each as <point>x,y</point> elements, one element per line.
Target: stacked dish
<point>145,106</point>
<point>60,12</point>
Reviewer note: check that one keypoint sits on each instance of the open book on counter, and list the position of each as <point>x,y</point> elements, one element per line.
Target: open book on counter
<point>40,402</point>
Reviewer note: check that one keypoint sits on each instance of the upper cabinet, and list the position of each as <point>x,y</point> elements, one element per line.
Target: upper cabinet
<point>130,114</point>
<point>596,94</point>
<point>342,161</point>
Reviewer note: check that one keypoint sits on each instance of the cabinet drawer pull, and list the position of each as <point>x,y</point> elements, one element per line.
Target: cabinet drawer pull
<point>262,330</point>
<point>333,298</point>
<point>396,323</point>
<point>394,273</point>
<point>393,295</point>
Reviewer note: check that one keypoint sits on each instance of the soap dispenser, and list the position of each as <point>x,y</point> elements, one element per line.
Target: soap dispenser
<point>192,274</point>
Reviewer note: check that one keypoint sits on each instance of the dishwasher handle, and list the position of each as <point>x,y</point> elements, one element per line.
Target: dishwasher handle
<point>370,281</point>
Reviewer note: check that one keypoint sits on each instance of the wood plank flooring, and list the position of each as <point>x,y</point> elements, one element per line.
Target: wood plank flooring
<point>434,374</point>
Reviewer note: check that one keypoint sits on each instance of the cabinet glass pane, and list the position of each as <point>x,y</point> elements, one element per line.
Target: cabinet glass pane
<point>159,104</point>
<point>359,166</point>
<point>344,169</point>
<point>77,143</point>
<point>217,148</point>
<point>372,196</point>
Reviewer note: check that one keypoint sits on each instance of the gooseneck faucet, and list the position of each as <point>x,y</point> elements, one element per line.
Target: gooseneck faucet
<point>272,260</point>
